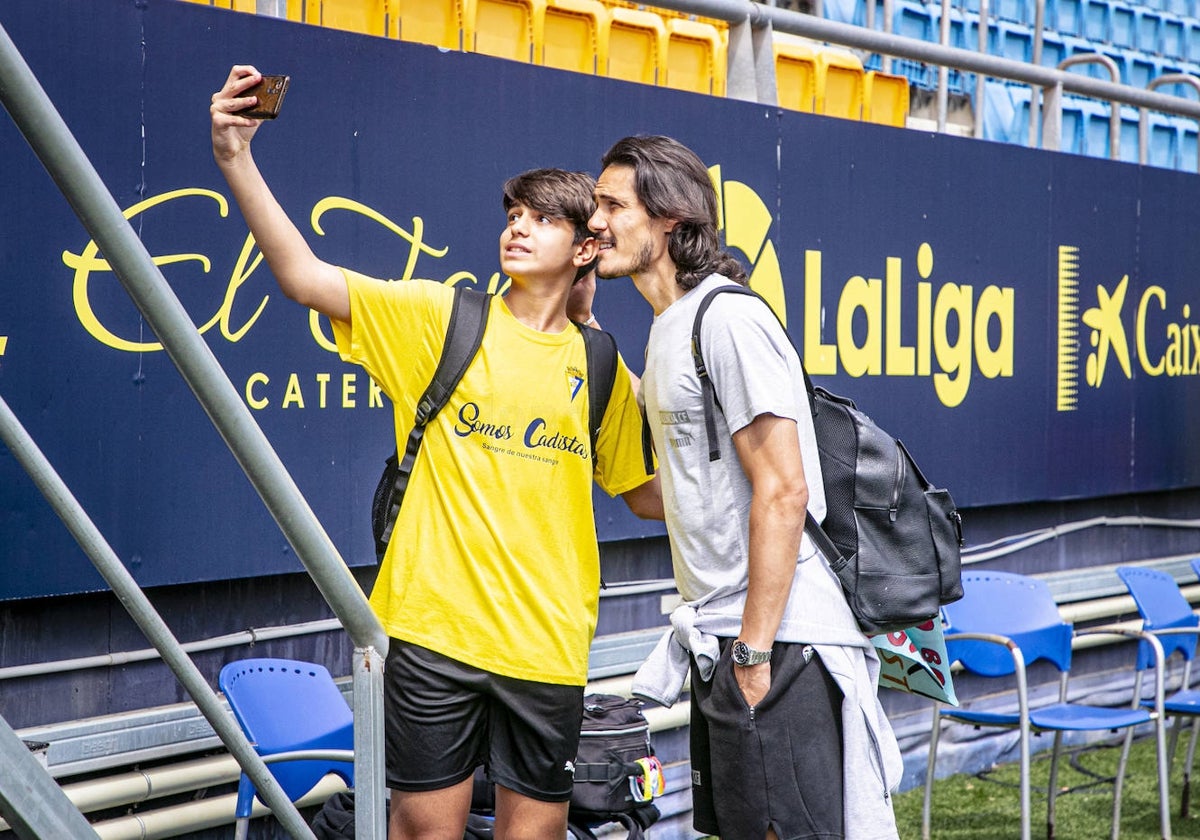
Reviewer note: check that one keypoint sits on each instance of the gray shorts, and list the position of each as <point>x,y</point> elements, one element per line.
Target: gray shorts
<point>443,719</point>
<point>779,764</point>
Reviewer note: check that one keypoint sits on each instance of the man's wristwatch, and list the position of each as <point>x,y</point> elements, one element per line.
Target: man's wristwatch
<point>745,656</point>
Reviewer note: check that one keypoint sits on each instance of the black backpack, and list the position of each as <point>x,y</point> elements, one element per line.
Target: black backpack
<point>613,736</point>
<point>891,537</point>
<point>610,784</point>
<point>464,333</point>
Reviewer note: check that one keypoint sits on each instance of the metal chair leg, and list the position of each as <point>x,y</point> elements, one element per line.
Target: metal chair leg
<point>926,807</point>
<point>1119,783</point>
<point>1187,769</point>
<point>1052,788</point>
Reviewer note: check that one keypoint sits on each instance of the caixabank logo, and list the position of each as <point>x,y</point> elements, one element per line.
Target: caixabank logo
<point>1109,330</point>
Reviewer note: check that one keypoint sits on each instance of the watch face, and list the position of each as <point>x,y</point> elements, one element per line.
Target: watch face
<point>745,655</point>
<point>741,652</point>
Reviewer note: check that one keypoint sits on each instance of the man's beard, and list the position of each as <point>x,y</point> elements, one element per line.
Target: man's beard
<point>639,264</point>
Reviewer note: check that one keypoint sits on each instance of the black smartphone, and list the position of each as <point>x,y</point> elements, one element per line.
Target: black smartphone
<point>270,93</point>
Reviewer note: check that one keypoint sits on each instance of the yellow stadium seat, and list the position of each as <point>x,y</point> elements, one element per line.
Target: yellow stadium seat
<point>839,84</point>
<point>573,35</point>
<point>637,46</point>
<point>503,28</point>
<point>235,5</point>
<point>885,99</point>
<point>796,76</point>
<point>695,57</point>
<point>369,17</point>
<point>436,22</point>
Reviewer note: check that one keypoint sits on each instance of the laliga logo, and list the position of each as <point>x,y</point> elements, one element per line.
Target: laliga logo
<point>1170,348</point>
<point>746,222</point>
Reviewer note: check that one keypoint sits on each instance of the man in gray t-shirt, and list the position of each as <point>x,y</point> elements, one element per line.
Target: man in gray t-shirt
<point>787,735</point>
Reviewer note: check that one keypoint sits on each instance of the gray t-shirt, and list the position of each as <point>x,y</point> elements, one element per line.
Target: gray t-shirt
<point>754,370</point>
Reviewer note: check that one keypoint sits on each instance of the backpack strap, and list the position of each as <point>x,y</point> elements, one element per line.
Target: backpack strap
<point>464,334</point>
<point>710,396</point>
<point>711,404</point>
<point>600,350</point>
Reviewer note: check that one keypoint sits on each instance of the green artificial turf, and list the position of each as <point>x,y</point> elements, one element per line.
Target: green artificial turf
<point>987,806</point>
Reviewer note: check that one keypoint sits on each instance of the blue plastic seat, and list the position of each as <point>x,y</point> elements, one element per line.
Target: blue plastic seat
<point>287,707</point>
<point>1097,128</point>
<point>1189,148</point>
<point>1147,30</point>
<point>1172,38</point>
<point>1191,40</point>
<point>1012,40</point>
<point>1004,623</point>
<point>1065,16</point>
<point>1096,18</point>
<point>1167,614</point>
<point>1122,25</point>
<point>913,20</point>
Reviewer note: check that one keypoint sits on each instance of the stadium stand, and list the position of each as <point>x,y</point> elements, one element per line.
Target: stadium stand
<point>642,44</point>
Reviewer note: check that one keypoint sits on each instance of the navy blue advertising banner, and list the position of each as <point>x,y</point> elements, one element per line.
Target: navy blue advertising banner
<point>1021,319</point>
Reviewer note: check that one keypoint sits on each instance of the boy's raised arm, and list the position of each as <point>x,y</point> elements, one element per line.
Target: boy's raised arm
<point>302,276</point>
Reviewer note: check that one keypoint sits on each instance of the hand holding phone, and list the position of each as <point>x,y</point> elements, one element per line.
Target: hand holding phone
<point>270,93</point>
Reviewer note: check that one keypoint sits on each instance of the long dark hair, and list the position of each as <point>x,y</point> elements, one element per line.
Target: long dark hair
<point>673,183</point>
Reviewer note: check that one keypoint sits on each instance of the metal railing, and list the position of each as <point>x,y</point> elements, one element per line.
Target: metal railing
<point>750,62</point>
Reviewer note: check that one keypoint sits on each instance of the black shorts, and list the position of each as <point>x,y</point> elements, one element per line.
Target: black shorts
<point>779,764</point>
<point>442,719</point>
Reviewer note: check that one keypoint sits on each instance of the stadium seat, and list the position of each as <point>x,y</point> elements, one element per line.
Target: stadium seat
<point>885,99</point>
<point>843,11</point>
<point>637,45</point>
<point>234,5</point>
<point>1054,49</point>
<point>1065,16</point>
<point>1096,118</point>
<point>1096,14</point>
<point>998,112</point>
<point>1141,68</point>
<point>796,75</point>
<point>1003,625</point>
<point>436,22</point>
<point>1146,33</point>
<point>288,708</point>
<point>1167,614</point>
<point>913,19</point>
<point>370,17</point>
<point>1072,125</point>
<point>503,28</point>
<point>1017,11</point>
<point>1006,112</point>
<point>695,57</point>
<point>839,84</point>
<point>1122,23</point>
<point>1191,41</point>
<point>1012,40</point>
<point>1172,38</point>
<point>573,35</point>
<point>1189,147</point>
<point>1164,142</point>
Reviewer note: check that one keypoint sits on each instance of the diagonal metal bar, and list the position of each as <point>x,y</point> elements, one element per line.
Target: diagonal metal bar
<point>140,609</point>
<point>32,802</point>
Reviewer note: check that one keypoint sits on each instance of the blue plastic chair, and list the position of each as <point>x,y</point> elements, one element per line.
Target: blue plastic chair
<point>1004,623</point>
<point>1169,616</point>
<point>289,709</point>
